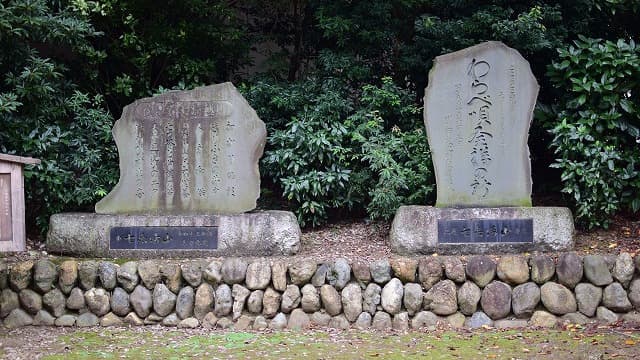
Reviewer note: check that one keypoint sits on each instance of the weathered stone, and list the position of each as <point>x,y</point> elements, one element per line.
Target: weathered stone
<point>97,301</point>
<point>254,302</point>
<point>320,318</point>
<point>339,322</point>
<point>223,300</point>
<point>66,320</point>
<point>30,300</point>
<point>133,319</point>
<point>488,69</point>
<point>513,269</point>
<point>260,323</point>
<point>588,298</point>
<point>279,275</point>
<point>429,272</point>
<point>478,320</point>
<point>87,319</point>
<point>17,318</point>
<point>43,318</point>
<point>454,269</point>
<point>204,301</point>
<point>234,270</point>
<point>400,321</point>
<point>525,299</point>
<point>542,268</point>
<point>605,315</point>
<point>278,322</point>
<point>380,271</point>
<point>154,319</point>
<point>127,275</point>
<point>67,275</point>
<point>119,302</point>
<point>636,261</point>
<point>20,275</point>
<point>87,274</point>
<point>569,270</point>
<point>391,297</point>
<point>271,302</point>
<point>455,320</point>
<point>481,269</point>
<point>213,273</point>
<point>171,275</point>
<point>149,273</point>
<point>164,301</point>
<point>301,271</point>
<point>596,270</point>
<point>352,301</point>
<point>496,300</point>
<point>623,269</point>
<point>442,298</point>
<point>412,298</point>
<point>575,318</point>
<point>631,317</point>
<point>298,320</point>
<point>258,275</point>
<point>404,269</point>
<point>224,323</point>
<point>339,274</point>
<point>363,321</point>
<point>210,320</point>
<point>244,322</point>
<point>424,319</point>
<point>189,323</point>
<point>558,299</point>
<point>240,295</point>
<point>381,321</point>
<point>107,274</point>
<point>615,298</point>
<point>371,298</point>
<point>320,276</point>
<point>510,324</point>
<point>310,301</point>
<point>192,273</point>
<point>170,320</point>
<point>8,302</point>
<point>543,319</point>
<point>4,275</point>
<point>44,274</point>
<point>185,302</point>
<point>634,293</point>
<point>141,301</point>
<point>331,300</point>
<point>360,271</point>
<point>468,297</point>
<point>54,301</point>
<point>290,299</point>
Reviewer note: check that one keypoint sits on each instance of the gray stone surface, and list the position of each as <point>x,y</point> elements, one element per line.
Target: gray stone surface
<point>290,299</point>
<point>98,301</point>
<point>30,300</point>
<point>251,234</point>
<point>496,300</point>
<point>320,318</point>
<point>339,322</point>
<point>442,298</point>
<point>68,275</point>
<point>557,298</point>
<point>569,270</point>
<point>43,318</point>
<point>320,276</point>
<point>240,295</point>
<point>588,298</point>
<point>301,271</point>
<point>260,323</point>
<point>254,301</point>
<point>213,272</point>
<point>513,269</point>
<point>544,319</point>
<point>381,321</point>
<point>331,300</point>
<point>371,298</point>
<point>271,302</point>
<point>415,229</point>
<point>234,270</point>
<point>54,301</point>
<point>525,299</point>
<point>468,297</point>
<point>605,315</point>
<point>8,302</point>
<point>481,269</point>
<point>133,319</point>
<point>404,269</point>
<point>298,320</point>
<point>310,301</point>
<point>429,272</point>
<point>141,301</point>
<point>455,320</point>
<point>209,320</point>
<point>87,319</point>
<point>120,304</point>
<point>171,275</point>
<point>44,274</point>
<point>279,275</point>
<point>360,271</point>
<point>244,322</point>
<point>400,321</point>
<point>413,297</point>
<point>185,302</point>
<point>278,322</point>
<point>339,273</point>
<point>20,275</point>
<point>576,318</point>
<point>391,296</point>
<point>380,271</point>
<point>149,273</point>
<point>189,323</point>
<point>66,320</point>
<point>223,301</point>
<point>614,297</point>
<point>17,318</point>
<point>479,319</point>
<point>424,319</point>
<point>634,293</point>
<point>107,274</point>
<point>510,324</point>
<point>478,108</point>
<point>258,275</point>
<point>623,269</point>
<point>87,273</point>
<point>352,301</point>
<point>193,151</point>
<point>127,275</point>
<point>363,321</point>
<point>192,273</point>
<point>596,270</point>
<point>542,268</point>
<point>454,269</point>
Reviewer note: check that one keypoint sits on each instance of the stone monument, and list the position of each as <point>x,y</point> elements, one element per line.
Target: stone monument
<point>188,175</point>
<point>478,108</point>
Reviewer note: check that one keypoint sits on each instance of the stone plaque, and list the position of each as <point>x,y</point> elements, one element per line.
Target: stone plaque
<point>187,152</point>
<point>485,231</point>
<point>6,226</point>
<point>164,237</point>
<point>478,108</point>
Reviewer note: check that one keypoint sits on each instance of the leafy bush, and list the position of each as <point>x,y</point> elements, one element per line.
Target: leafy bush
<point>597,134</point>
<point>45,115</point>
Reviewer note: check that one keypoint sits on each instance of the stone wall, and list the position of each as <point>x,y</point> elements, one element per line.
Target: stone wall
<point>401,293</point>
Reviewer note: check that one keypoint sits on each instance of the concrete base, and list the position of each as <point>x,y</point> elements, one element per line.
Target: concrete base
<point>261,233</point>
<point>415,230</point>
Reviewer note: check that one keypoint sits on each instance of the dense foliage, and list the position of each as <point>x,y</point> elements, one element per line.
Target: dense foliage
<point>597,135</point>
<point>339,84</point>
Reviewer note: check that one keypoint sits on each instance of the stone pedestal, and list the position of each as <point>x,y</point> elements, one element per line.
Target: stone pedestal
<point>261,233</point>
<point>415,230</point>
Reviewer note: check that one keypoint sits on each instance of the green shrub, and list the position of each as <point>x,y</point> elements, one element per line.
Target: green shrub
<point>597,134</point>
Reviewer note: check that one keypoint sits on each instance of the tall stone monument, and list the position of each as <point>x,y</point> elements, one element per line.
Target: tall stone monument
<point>188,175</point>
<point>478,108</point>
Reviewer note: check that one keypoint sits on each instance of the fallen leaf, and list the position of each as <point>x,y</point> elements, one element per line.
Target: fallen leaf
<point>629,342</point>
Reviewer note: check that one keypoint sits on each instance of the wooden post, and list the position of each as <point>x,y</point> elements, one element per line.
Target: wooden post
<point>12,224</point>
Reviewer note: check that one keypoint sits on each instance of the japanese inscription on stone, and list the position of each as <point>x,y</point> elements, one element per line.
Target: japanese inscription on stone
<point>164,237</point>
<point>188,152</point>
<point>478,108</point>
<point>6,226</point>
<point>485,231</point>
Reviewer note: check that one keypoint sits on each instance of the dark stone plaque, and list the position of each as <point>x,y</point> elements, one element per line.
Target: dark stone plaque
<point>485,231</point>
<point>164,237</point>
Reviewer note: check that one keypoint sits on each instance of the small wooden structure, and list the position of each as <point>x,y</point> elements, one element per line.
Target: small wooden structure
<point>12,224</point>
